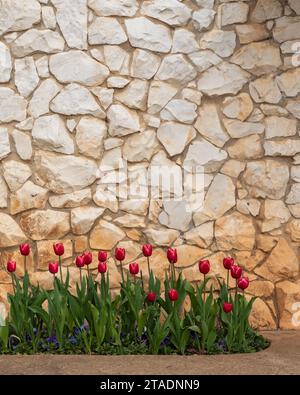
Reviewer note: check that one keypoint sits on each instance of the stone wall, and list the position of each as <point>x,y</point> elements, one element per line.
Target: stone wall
<point>88,84</point>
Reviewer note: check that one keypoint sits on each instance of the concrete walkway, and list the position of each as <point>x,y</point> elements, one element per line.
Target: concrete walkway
<point>282,357</point>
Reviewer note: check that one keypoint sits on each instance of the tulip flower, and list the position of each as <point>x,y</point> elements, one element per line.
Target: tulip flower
<point>147,252</point>
<point>172,255</point>
<point>151,297</point>
<point>204,266</point>
<point>102,256</point>
<point>243,283</point>
<point>120,256</point>
<point>102,267</point>
<point>236,271</point>
<point>87,259</point>
<point>79,262</point>
<point>11,266</point>
<point>25,251</point>
<point>59,250</point>
<point>134,269</point>
<point>173,295</point>
<point>53,267</point>
<point>228,262</point>
<point>227,307</point>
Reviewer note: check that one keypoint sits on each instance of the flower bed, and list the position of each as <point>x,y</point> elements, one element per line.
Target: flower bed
<point>146,317</point>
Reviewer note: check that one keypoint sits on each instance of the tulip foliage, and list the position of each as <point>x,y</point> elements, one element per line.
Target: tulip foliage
<point>145,316</point>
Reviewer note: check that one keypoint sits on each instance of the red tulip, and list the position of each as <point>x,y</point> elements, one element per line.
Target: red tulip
<point>120,254</point>
<point>228,262</point>
<point>59,249</point>
<point>151,297</point>
<point>236,271</point>
<point>172,255</point>
<point>11,266</point>
<point>227,307</point>
<point>147,250</point>
<point>102,267</point>
<point>79,261</point>
<point>53,267</point>
<point>243,283</point>
<point>204,266</point>
<point>102,256</point>
<point>24,249</point>
<point>87,258</point>
<point>173,295</point>
<point>134,268</point>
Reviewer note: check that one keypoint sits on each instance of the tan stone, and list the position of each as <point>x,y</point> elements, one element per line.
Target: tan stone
<point>105,235</point>
<point>239,106</point>
<point>45,224</point>
<point>233,168</point>
<point>288,296</point>
<point>249,147</point>
<point>250,32</point>
<point>266,242</point>
<point>46,254</point>
<point>27,197</point>
<point>161,236</point>
<point>15,256</point>
<point>83,218</point>
<point>261,316</point>
<point>202,235</point>
<point>265,89</point>
<point>80,244</point>
<point>248,206</point>
<point>293,229</point>
<point>134,234</point>
<point>262,289</point>
<point>249,259</point>
<point>10,232</point>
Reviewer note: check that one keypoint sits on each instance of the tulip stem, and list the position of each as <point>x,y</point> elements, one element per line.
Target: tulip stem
<point>13,282</point>
<point>80,274</point>
<point>88,270</point>
<point>148,263</point>
<point>236,288</point>
<point>204,289</point>
<point>122,272</point>
<point>60,269</point>
<point>227,280</point>
<point>25,264</point>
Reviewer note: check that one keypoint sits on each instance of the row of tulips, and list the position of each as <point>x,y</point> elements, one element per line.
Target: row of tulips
<point>152,315</point>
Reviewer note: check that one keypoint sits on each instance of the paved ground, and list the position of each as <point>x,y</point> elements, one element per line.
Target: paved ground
<point>282,357</point>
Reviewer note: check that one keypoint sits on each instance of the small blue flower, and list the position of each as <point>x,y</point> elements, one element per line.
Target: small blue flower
<point>72,340</point>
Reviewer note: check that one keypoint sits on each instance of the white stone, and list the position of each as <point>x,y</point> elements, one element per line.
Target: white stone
<point>161,236</point>
<point>287,28</point>
<point>144,64</point>
<point>17,15</point>
<point>204,59</point>
<point>4,143</point>
<point>258,58</point>
<point>233,168</point>
<point>5,63</point>
<point>293,196</point>
<point>272,110</point>
<point>113,7</point>
<point>42,67</point>
<point>134,95</point>
<point>140,146</point>
<point>112,142</point>
<point>26,77</point>
<point>122,121</point>
<point>143,33</point>
<point>105,30</point>
<point>279,127</point>
<point>64,173</point>
<point>49,132</point>
<point>231,13</point>
<point>171,12</point>
<point>282,147</point>
<point>27,124</point>
<point>77,66</point>
<point>137,207</point>
<point>203,18</point>
<point>175,136</point>
<point>248,206</point>
<point>104,95</point>
<point>265,89</point>
<point>239,106</point>
<point>293,106</point>
<point>130,221</point>
<point>23,144</point>
<point>117,59</point>
<point>265,10</point>
<point>202,153</point>
<point>42,96</point>
<point>70,200</point>
<point>225,78</point>
<point>15,174</point>
<point>117,82</point>
<point>175,69</point>
<point>34,40</point>
<point>221,42</point>
<point>192,95</point>
<point>175,215</point>
<point>289,82</point>
<point>209,125</point>
<point>90,134</point>
<point>160,93</point>
<point>3,193</point>
<point>71,16</point>
<point>295,173</point>
<point>184,41</point>
<point>295,5</point>
<point>12,106</point>
<point>83,218</point>
<point>111,160</point>
<point>205,3</point>
<point>29,196</point>
<point>179,110</point>
<point>48,17</point>
<point>75,99</point>
<point>10,232</point>
<point>106,199</point>
<point>276,209</point>
<point>201,235</point>
<point>237,129</point>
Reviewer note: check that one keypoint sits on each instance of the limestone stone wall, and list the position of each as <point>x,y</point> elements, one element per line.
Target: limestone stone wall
<point>87,85</point>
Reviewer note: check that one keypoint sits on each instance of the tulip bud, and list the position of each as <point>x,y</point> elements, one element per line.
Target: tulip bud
<point>102,267</point>
<point>120,254</point>
<point>172,255</point>
<point>134,268</point>
<point>11,266</point>
<point>147,250</point>
<point>79,261</point>
<point>102,256</point>
<point>53,267</point>
<point>87,258</point>
<point>173,295</point>
<point>151,297</point>
<point>243,283</point>
<point>59,249</point>
<point>24,249</point>
<point>204,266</point>
<point>227,307</point>
<point>228,262</point>
<point>236,271</point>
